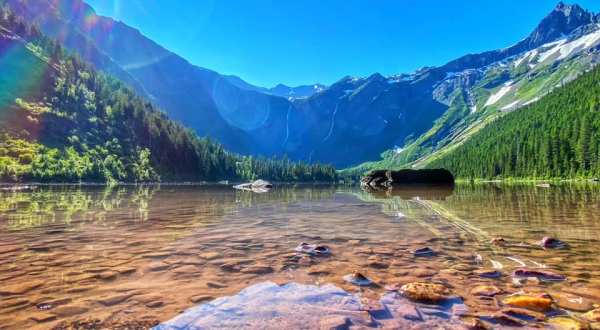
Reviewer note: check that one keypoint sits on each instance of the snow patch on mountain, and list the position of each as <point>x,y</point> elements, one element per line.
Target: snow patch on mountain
<point>494,98</point>
<point>399,78</point>
<point>563,48</point>
<point>584,42</point>
<point>528,57</point>
<point>511,106</point>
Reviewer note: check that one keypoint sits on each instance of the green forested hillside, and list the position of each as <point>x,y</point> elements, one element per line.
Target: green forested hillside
<point>62,121</point>
<point>556,137</point>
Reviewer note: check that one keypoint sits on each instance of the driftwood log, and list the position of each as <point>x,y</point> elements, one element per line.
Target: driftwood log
<point>387,178</point>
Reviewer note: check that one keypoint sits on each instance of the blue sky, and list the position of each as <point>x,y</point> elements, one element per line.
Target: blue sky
<point>306,41</point>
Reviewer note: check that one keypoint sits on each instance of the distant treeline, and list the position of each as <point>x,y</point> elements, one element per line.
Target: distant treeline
<point>60,120</point>
<point>556,137</point>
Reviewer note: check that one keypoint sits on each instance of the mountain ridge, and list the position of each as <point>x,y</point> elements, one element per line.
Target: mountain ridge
<point>515,80</point>
<point>411,115</point>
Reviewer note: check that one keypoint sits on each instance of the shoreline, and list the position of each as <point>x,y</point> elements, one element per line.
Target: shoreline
<point>190,184</point>
<point>517,180</point>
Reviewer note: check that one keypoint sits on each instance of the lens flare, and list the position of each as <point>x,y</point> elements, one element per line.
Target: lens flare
<point>21,78</point>
<point>243,109</point>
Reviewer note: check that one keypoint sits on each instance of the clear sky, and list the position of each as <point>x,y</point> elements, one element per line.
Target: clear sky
<point>306,41</point>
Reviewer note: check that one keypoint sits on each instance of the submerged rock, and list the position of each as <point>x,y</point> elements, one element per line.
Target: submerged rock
<point>572,302</point>
<point>294,306</point>
<point>268,305</point>
<point>488,273</point>
<point>541,274</point>
<point>200,298</point>
<point>42,317</point>
<point>425,292</point>
<point>69,310</point>
<point>567,323</point>
<point>257,269</point>
<point>335,322</point>
<point>498,241</point>
<point>114,300</point>
<point>538,303</point>
<point>476,324</point>
<point>424,252</point>
<point>20,288</point>
<point>525,314</point>
<point>313,249</point>
<point>357,278</point>
<point>486,290</point>
<point>551,243</point>
<point>503,319</point>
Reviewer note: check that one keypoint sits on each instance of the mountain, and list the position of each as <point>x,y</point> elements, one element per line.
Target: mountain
<point>408,119</point>
<point>556,137</point>
<point>297,92</point>
<point>483,87</point>
<point>60,120</point>
<point>300,122</point>
<point>280,90</point>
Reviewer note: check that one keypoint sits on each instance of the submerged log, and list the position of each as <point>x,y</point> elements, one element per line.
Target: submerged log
<point>387,178</point>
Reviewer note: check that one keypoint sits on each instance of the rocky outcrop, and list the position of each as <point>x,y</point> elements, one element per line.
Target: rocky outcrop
<point>258,186</point>
<point>385,178</point>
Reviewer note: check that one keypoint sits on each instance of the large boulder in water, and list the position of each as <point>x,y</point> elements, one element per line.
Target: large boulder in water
<point>387,178</point>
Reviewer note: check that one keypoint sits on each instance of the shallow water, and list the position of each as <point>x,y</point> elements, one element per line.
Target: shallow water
<point>141,256</point>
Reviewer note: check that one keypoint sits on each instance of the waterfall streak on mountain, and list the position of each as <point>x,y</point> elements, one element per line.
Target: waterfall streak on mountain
<point>332,123</point>
<point>287,125</point>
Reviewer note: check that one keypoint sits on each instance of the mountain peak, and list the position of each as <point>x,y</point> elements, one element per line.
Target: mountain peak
<point>567,9</point>
<point>376,77</point>
<point>562,21</point>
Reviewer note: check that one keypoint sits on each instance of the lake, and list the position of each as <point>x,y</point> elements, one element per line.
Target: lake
<point>211,256</point>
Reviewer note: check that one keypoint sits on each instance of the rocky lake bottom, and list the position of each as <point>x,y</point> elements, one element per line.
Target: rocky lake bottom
<point>330,257</point>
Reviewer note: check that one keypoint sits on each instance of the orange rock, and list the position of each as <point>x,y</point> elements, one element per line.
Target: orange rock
<point>541,303</point>
<point>425,292</point>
